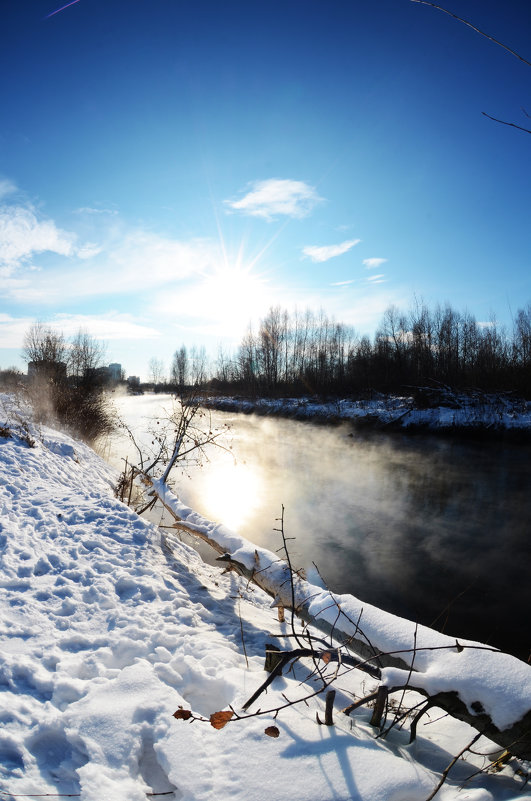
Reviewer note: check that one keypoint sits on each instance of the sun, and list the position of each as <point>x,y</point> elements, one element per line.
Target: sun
<point>223,296</point>
<point>231,494</point>
<point>236,288</point>
<point>230,296</point>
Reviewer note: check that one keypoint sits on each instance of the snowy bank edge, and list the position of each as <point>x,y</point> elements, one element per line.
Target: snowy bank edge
<point>389,412</point>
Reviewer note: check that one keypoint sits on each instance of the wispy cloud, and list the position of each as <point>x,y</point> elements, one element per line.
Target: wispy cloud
<point>123,261</point>
<point>343,283</point>
<point>277,197</point>
<point>141,258</point>
<point>12,330</point>
<point>326,252</point>
<point>109,326</point>
<point>91,210</point>
<point>88,250</point>
<point>22,235</point>
<point>372,264</point>
<point>6,188</point>
<point>376,279</point>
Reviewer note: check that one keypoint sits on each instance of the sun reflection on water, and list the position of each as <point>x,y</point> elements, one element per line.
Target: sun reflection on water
<point>231,495</point>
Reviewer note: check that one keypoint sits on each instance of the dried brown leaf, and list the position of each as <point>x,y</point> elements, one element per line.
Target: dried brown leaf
<point>326,657</point>
<point>220,719</point>
<point>182,714</point>
<point>272,731</point>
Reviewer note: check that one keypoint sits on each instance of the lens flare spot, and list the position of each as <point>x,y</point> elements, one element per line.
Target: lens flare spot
<point>231,495</point>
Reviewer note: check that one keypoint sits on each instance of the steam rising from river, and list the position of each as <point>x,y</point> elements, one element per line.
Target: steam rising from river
<point>425,527</point>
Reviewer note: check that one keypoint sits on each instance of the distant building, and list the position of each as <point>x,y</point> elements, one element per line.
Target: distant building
<point>115,371</point>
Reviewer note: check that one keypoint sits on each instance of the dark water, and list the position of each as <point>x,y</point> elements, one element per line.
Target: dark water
<point>435,530</point>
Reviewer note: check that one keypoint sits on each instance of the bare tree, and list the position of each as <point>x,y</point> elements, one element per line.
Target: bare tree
<point>224,366</point>
<point>156,371</point>
<point>247,361</point>
<point>44,345</point>
<point>421,346</point>
<point>198,367</point>
<point>270,347</point>
<point>179,367</point>
<point>85,356</point>
<point>522,337</point>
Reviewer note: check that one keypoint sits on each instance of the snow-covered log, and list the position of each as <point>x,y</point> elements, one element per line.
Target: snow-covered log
<point>484,687</point>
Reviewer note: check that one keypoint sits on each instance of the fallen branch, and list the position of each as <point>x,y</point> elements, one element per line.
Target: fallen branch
<point>320,609</point>
<point>516,739</point>
<point>290,656</point>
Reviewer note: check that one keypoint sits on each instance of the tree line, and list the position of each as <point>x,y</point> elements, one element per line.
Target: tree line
<point>299,353</point>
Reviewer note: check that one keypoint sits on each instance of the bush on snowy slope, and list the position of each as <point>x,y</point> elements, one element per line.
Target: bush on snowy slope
<point>66,382</point>
<point>16,419</point>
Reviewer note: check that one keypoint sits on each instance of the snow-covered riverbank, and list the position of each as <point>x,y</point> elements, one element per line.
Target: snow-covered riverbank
<point>446,412</point>
<point>108,628</point>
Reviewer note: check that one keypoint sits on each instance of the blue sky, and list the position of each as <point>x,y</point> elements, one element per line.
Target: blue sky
<point>170,169</point>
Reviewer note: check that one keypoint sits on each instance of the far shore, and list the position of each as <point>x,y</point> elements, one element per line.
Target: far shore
<point>476,414</point>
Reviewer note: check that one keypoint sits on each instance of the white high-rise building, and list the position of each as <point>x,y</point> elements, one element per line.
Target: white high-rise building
<point>115,371</point>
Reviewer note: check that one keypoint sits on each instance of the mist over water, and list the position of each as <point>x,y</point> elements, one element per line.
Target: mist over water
<point>436,530</point>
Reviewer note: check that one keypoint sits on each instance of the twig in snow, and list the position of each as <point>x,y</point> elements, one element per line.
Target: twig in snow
<point>407,681</point>
<point>426,706</point>
<point>241,631</point>
<point>291,573</point>
<point>447,770</point>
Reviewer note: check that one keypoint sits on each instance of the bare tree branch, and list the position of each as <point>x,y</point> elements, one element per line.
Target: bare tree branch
<point>474,28</point>
<point>511,124</point>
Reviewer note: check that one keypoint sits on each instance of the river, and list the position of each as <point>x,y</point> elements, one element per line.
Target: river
<point>433,529</point>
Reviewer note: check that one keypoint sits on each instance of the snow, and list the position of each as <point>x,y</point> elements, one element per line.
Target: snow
<point>108,626</point>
